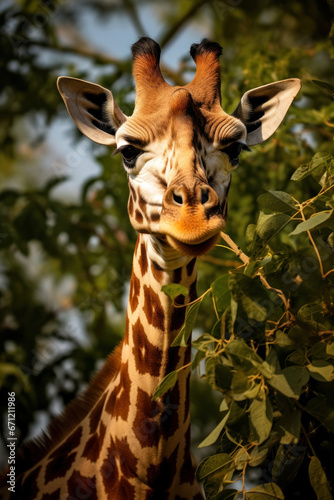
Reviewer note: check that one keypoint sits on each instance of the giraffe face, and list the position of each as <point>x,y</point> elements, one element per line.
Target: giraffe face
<point>179,146</point>
<point>179,164</point>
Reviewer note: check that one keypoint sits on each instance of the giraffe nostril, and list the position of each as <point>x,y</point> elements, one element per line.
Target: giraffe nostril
<point>204,196</point>
<point>177,198</point>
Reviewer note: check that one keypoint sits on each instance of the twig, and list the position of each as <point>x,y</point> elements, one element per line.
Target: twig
<point>170,33</point>
<point>245,259</point>
<point>237,250</point>
<point>219,262</point>
<point>314,245</point>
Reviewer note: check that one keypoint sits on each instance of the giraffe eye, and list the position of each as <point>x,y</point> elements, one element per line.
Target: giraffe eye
<point>130,155</point>
<point>233,151</point>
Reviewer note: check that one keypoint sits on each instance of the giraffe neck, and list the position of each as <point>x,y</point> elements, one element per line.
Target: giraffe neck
<point>159,431</point>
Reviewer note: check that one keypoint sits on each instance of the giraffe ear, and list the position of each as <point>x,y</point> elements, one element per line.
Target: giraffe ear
<point>92,108</point>
<point>263,109</point>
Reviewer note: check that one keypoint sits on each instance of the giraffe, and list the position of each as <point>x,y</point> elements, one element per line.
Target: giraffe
<point>179,148</point>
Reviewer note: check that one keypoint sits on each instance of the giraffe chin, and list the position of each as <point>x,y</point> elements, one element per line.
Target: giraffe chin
<point>193,250</point>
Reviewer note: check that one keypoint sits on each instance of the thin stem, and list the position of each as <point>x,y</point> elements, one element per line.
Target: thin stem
<point>171,32</point>
<point>308,440</point>
<point>314,245</point>
<point>239,253</point>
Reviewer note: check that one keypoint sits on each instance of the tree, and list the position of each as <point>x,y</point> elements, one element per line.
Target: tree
<point>267,342</point>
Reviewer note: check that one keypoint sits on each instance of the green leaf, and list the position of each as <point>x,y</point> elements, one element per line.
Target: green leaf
<point>321,370</point>
<point>289,427</point>
<point>243,357</point>
<point>318,161</point>
<point>214,435</point>
<point>243,388</point>
<point>291,381</point>
<point>251,295</point>
<point>183,336</point>
<point>197,359</point>
<point>312,222</point>
<point>277,201</point>
<point>327,87</point>
<point>221,293</point>
<point>167,383</point>
<point>267,491</point>
<point>221,462</point>
<point>320,409</point>
<point>261,418</point>
<point>319,480</point>
<point>288,461</point>
<point>227,494</point>
<point>330,348</point>
<point>218,375</point>
<point>270,225</point>
<point>173,290</point>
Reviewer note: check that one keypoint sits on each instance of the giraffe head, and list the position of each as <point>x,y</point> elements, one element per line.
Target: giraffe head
<point>179,147</point>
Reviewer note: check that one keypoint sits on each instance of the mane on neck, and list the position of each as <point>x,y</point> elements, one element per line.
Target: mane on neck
<point>32,451</point>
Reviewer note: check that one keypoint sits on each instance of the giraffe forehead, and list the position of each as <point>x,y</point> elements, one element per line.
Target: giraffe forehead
<point>181,120</point>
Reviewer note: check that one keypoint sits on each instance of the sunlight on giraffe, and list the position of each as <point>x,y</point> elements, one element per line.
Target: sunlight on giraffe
<point>179,148</point>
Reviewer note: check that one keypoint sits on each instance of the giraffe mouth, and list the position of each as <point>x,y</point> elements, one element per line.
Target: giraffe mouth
<point>193,249</point>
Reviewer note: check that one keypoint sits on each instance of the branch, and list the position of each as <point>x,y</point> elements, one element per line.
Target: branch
<point>171,32</point>
<point>102,58</point>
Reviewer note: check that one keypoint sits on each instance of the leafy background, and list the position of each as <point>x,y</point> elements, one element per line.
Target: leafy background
<point>265,319</point>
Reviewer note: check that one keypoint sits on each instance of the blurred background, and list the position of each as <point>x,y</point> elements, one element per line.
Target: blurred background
<point>66,244</point>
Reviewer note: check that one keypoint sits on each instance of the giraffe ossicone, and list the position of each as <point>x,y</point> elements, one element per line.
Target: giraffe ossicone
<point>179,148</point>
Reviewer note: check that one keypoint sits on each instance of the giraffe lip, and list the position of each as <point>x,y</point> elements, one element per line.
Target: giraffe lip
<point>193,249</point>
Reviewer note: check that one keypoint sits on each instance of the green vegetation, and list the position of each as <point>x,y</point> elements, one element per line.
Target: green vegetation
<point>265,323</point>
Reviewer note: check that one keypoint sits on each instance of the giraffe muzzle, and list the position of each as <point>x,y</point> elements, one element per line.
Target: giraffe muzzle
<point>191,218</point>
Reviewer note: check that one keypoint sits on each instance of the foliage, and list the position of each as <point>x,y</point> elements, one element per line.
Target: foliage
<point>270,352</point>
<point>63,277</point>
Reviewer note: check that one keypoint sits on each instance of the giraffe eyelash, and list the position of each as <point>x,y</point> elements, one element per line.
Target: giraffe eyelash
<point>234,150</point>
<point>129,153</point>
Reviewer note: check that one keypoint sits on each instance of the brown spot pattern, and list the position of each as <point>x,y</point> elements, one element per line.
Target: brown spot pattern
<point>59,466</point>
<point>81,487</point>
<point>177,277</point>
<point>95,415</point>
<point>187,473</point>
<point>153,309</point>
<point>139,216</point>
<point>173,359</point>
<point>130,206</point>
<point>145,425</point>
<point>29,485</point>
<point>134,292</point>
<point>92,448</point>
<point>116,487</point>
<point>143,263</point>
<point>177,316</point>
<point>192,291</point>
<point>133,192</point>
<point>128,460</point>
<point>102,433</point>
<point>155,217</point>
<point>170,417</point>
<point>157,272</point>
<point>190,266</point>
<point>147,356</point>
<point>70,444</point>
<point>118,403</point>
<point>160,477</point>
